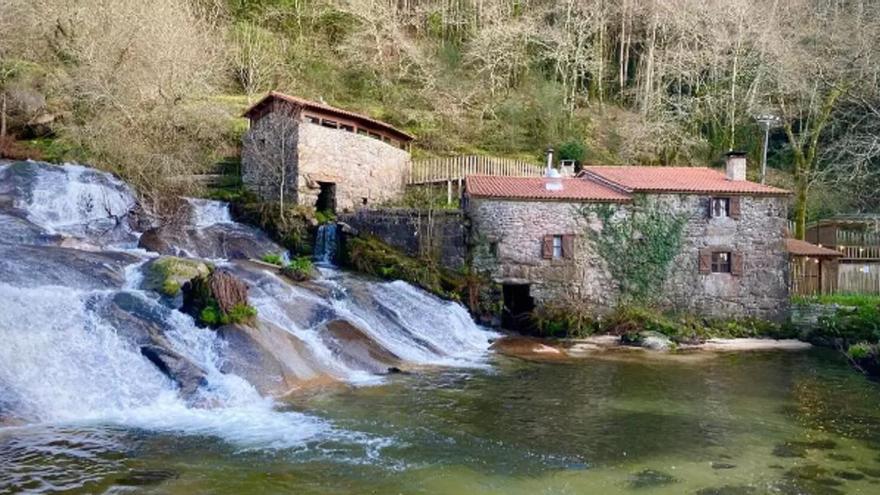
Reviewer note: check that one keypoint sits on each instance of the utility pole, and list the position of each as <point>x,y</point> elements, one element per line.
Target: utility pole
<point>767,121</point>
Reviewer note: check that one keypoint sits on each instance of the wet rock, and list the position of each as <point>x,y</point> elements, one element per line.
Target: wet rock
<point>810,478</point>
<point>654,341</point>
<point>270,358</point>
<point>356,349</point>
<point>145,477</point>
<point>650,478</point>
<point>230,241</point>
<point>17,230</point>
<point>727,490</point>
<point>872,472</point>
<point>799,449</point>
<point>187,375</point>
<point>723,465</point>
<point>33,266</point>
<point>834,456</point>
<point>849,475</point>
<point>528,348</point>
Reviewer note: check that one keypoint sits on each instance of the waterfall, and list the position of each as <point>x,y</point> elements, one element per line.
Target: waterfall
<point>75,323</point>
<point>326,243</point>
<point>206,212</point>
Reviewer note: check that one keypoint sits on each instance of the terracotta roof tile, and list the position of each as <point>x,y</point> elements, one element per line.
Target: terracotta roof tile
<point>535,188</point>
<point>674,180</point>
<point>803,248</point>
<point>314,105</point>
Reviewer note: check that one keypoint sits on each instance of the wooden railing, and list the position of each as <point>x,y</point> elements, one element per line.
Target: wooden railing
<point>455,168</point>
<point>860,252</point>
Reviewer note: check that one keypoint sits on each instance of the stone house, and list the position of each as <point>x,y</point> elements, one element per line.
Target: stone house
<point>537,237</point>
<point>308,153</point>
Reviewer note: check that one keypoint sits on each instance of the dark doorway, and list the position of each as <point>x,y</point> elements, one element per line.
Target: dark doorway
<point>518,306</point>
<point>326,198</point>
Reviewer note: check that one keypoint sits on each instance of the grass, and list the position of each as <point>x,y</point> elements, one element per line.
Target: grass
<point>856,300</point>
<point>273,259</point>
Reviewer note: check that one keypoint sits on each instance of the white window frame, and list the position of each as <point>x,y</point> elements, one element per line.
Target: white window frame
<point>720,208</point>
<point>557,247</point>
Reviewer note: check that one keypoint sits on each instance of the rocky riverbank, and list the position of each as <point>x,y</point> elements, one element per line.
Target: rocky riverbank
<point>654,346</point>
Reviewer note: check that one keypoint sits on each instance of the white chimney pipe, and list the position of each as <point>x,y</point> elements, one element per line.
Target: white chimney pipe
<point>735,162</point>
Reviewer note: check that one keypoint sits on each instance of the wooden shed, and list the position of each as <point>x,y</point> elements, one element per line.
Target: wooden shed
<point>813,268</point>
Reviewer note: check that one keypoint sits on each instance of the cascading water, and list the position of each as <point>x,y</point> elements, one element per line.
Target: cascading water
<point>75,336</point>
<point>326,243</point>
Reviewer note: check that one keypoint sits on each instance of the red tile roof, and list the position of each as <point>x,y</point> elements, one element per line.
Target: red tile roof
<point>674,180</point>
<point>486,186</point>
<point>322,107</point>
<point>803,248</point>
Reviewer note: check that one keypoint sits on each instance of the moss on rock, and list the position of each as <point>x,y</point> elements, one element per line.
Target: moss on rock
<point>168,273</point>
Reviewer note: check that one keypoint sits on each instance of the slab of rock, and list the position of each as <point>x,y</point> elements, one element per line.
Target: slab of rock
<point>33,266</point>
<point>187,375</point>
<point>528,348</point>
<point>356,348</point>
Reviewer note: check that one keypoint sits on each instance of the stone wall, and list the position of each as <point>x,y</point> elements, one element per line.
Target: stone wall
<point>361,167</point>
<point>441,235</point>
<point>516,228</point>
<point>268,156</point>
<point>506,238</point>
<point>758,236</point>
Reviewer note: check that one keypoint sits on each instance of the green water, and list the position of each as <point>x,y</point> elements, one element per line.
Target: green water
<point>751,423</point>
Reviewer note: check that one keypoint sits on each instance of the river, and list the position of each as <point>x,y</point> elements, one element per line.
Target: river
<point>288,406</point>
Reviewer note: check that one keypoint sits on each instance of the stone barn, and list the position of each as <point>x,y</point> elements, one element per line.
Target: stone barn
<point>308,153</point>
<point>537,237</point>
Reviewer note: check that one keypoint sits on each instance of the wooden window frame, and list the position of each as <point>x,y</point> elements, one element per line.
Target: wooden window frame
<point>709,265</point>
<point>732,207</point>
<point>722,261</point>
<point>566,247</point>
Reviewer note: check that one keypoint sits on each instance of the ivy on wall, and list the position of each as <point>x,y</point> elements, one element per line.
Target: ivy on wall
<point>637,244</point>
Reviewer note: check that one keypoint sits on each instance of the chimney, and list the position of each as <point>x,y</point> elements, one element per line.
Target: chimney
<point>735,162</point>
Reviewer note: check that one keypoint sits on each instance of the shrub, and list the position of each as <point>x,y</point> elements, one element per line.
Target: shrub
<point>273,259</point>
<point>211,315</point>
<point>564,320</point>
<point>372,256</point>
<point>300,269</point>
<point>861,350</point>
<point>323,217</point>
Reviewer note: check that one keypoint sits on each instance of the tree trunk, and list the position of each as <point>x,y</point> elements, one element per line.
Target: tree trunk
<point>3,116</point>
<point>800,212</point>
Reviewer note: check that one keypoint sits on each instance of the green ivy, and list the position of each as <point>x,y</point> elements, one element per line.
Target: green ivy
<point>638,245</point>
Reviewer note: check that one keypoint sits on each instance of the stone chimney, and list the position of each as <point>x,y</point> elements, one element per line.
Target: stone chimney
<point>735,162</point>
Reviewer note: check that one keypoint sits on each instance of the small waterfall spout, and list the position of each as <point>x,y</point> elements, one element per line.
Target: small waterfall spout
<point>326,243</point>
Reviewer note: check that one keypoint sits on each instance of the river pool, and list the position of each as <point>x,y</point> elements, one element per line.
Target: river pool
<point>746,423</point>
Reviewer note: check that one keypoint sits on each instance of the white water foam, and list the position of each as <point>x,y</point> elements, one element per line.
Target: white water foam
<point>72,197</point>
<point>206,212</point>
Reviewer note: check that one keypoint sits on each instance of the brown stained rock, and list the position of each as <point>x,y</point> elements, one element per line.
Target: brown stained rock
<point>529,348</point>
<point>357,348</point>
<point>228,290</point>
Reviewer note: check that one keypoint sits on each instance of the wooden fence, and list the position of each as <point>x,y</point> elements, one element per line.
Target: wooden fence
<point>455,168</point>
<point>859,278</point>
<point>806,279</point>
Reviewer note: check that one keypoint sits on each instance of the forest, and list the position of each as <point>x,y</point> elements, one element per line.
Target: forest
<point>154,90</point>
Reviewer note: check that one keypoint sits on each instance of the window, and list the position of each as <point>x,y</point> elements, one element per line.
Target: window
<point>720,208</point>
<point>721,262</point>
<point>312,120</point>
<point>346,127</point>
<point>493,248</point>
<point>330,123</point>
<point>363,132</point>
<point>557,246</point>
